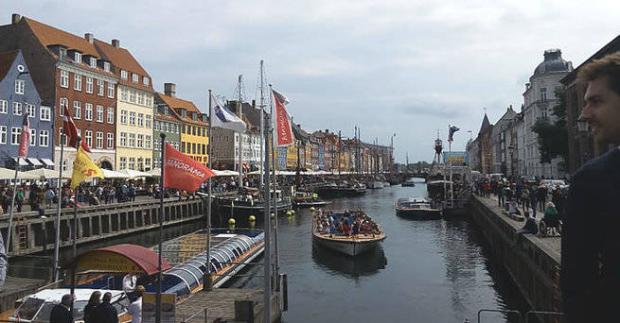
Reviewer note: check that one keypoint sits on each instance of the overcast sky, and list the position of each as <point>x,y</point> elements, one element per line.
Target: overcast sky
<point>406,67</point>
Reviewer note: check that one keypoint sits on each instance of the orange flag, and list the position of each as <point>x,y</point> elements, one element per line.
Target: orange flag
<point>183,173</point>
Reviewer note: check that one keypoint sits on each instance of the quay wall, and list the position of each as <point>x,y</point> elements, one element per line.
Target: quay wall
<point>532,262</point>
<point>32,233</point>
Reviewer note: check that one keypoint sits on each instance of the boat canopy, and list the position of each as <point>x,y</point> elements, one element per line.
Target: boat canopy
<point>121,258</point>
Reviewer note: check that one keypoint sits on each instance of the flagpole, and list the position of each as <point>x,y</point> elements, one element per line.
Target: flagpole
<point>11,212</point>
<point>240,111</point>
<point>262,123</point>
<point>75,201</point>
<point>161,227</point>
<point>275,197</point>
<point>267,219</point>
<point>56,269</point>
<point>208,279</point>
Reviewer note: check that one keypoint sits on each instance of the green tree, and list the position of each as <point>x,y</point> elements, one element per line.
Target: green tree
<point>553,137</point>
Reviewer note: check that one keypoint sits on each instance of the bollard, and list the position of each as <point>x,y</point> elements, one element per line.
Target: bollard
<point>206,311</point>
<point>252,221</point>
<point>284,291</point>
<point>231,224</point>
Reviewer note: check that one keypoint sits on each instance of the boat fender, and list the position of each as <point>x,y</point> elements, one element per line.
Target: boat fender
<point>252,218</point>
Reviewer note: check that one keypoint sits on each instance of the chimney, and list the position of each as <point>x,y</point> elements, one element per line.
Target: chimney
<point>15,18</point>
<point>116,43</point>
<point>170,89</point>
<point>90,37</point>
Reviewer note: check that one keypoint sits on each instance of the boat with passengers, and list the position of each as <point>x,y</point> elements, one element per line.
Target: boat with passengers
<point>303,199</point>
<point>349,232</point>
<point>417,208</point>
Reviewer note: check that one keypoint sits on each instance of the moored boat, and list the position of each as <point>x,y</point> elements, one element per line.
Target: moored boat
<point>408,183</point>
<point>307,199</point>
<point>342,190</point>
<point>349,232</point>
<point>417,209</point>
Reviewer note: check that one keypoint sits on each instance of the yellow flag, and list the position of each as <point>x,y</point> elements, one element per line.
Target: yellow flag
<point>83,168</point>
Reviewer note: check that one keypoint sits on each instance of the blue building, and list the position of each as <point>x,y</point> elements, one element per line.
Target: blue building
<point>17,96</point>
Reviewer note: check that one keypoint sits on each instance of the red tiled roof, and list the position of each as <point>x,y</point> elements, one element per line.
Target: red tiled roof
<point>49,35</point>
<point>122,59</point>
<point>6,61</point>
<point>175,103</point>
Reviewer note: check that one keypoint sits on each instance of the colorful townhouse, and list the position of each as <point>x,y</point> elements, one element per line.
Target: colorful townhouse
<point>18,96</point>
<point>69,71</point>
<point>166,122</point>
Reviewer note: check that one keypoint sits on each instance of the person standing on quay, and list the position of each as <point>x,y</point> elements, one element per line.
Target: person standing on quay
<point>590,277</point>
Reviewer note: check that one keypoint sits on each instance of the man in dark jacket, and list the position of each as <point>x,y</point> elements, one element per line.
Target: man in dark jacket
<point>105,312</point>
<point>590,242</point>
<point>60,312</point>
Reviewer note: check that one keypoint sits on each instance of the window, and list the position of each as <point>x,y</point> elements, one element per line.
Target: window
<point>110,90</point>
<point>17,108</point>
<point>106,66</point>
<point>131,142</point>
<point>123,91</point>
<point>77,110</point>
<point>20,85</point>
<point>44,138</point>
<point>4,106</point>
<point>543,94</point>
<point>123,74</point>
<point>123,140</point>
<point>147,142</point>
<point>3,134</point>
<point>132,118</point>
<point>141,98</point>
<point>88,113</point>
<point>141,119</point>
<point>132,163</point>
<point>78,57</point>
<point>110,140</point>
<point>123,163</point>
<point>88,136</point>
<point>132,96</point>
<point>99,140</point>
<point>147,164</point>
<point>156,144</point>
<point>32,111</point>
<point>45,113</point>
<point>140,143</point>
<point>89,85</point>
<point>156,124</point>
<point>110,115</point>
<point>64,103</point>
<point>135,78</point>
<point>100,87</point>
<point>149,100</point>
<point>99,113</point>
<point>33,137</point>
<point>146,81</point>
<point>64,79</point>
<point>15,132</point>
<point>123,116</point>
<point>148,120</point>
<point>77,84</point>
<point>93,62</point>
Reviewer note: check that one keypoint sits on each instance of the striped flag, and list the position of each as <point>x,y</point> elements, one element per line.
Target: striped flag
<point>284,132</point>
<point>24,140</point>
<point>71,131</point>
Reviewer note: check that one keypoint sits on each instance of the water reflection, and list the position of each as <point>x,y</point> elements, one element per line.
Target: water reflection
<point>366,264</point>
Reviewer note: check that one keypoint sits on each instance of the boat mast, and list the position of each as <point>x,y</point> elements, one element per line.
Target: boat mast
<point>240,112</point>
<point>263,151</point>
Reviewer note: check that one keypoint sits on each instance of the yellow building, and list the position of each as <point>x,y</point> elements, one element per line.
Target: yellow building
<point>291,156</point>
<point>194,124</point>
<point>134,109</point>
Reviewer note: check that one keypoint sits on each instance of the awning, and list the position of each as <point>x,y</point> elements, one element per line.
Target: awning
<point>121,258</point>
<point>22,162</point>
<point>47,162</point>
<point>34,161</point>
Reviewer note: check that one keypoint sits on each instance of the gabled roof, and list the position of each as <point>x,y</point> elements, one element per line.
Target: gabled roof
<point>175,103</point>
<point>485,124</point>
<point>6,61</point>
<point>49,35</point>
<point>122,59</point>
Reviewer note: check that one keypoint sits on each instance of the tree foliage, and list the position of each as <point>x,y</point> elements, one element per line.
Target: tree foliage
<point>553,137</point>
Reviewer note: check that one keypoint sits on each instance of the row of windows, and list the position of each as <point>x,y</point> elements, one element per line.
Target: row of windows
<point>135,78</point>
<point>44,136</point>
<point>167,126</point>
<point>136,97</point>
<point>77,58</point>
<point>136,119</point>
<point>195,131</point>
<point>194,148</point>
<point>131,140</point>
<point>89,88</point>
<point>157,145</point>
<point>130,163</point>
<point>17,108</point>
<point>100,112</point>
<point>88,137</point>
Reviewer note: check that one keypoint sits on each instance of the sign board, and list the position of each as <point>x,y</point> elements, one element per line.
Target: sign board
<point>107,262</point>
<point>456,158</point>
<point>168,304</point>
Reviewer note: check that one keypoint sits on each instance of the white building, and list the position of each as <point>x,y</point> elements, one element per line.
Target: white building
<point>539,100</point>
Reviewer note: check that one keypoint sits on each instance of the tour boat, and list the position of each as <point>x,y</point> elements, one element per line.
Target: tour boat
<point>346,243</point>
<point>307,199</point>
<point>244,205</point>
<point>417,209</point>
<point>343,189</point>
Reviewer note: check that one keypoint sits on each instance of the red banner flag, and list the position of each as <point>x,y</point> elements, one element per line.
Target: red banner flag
<point>71,131</point>
<point>183,173</point>
<point>24,138</point>
<point>284,133</point>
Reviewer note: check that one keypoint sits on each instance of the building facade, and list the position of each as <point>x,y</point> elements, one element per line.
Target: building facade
<point>501,143</point>
<point>167,123</point>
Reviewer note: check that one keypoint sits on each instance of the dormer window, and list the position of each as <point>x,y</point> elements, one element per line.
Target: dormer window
<point>145,81</point>
<point>62,52</point>
<point>77,57</point>
<point>106,66</point>
<point>135,77</point>
<point>93,62</point>
<point>194,116</point>
<point>123,74</point>
<point>183,113</point>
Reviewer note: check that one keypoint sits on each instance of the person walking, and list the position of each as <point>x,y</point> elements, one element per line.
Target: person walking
<point>590,268</point>
<point>135,308</point>
<point>61,312</point>
<point>105,312</point>
<point>91,307</point>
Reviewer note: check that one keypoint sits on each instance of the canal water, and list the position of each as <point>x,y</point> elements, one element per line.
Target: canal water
<point>426,271</point>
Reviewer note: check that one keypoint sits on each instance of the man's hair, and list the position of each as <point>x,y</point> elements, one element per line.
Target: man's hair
<point>607,66</point>
<point>107,297</point>
<point>66,299</point>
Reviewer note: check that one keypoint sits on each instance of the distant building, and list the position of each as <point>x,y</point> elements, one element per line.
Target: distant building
<point>539,99</point>
<point>501,144</point>
<point>18,96</point>
<point>485,151</point>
